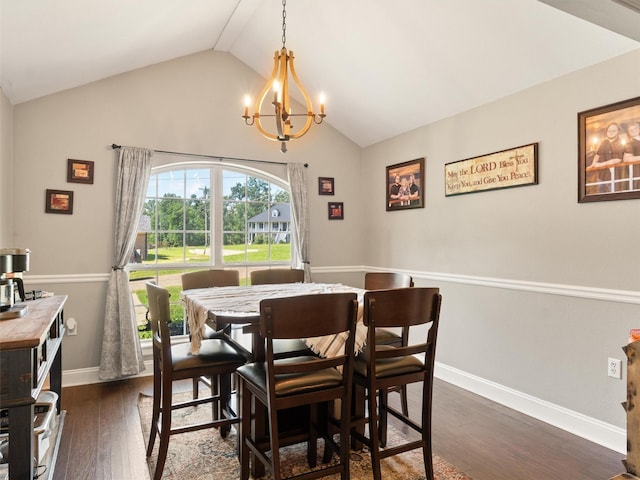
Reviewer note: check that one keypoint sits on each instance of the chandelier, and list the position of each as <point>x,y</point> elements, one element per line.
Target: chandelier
<point>279,83</point>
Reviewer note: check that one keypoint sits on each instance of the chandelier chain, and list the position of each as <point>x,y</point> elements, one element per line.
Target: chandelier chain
<point>284,23</point>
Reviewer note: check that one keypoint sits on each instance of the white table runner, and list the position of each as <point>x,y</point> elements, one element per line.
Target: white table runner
<point>246,300</point>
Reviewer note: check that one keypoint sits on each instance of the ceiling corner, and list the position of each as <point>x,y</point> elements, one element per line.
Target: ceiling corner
<point>618,16</point>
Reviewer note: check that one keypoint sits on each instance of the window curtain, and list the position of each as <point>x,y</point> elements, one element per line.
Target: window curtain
<point>121,352</point>
<point>297,175</point>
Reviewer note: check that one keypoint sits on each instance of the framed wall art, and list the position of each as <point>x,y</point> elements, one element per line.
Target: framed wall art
<point>514,167</point>
<point>609,152</point>
<point>405,184</point>
<point>336,211</point>
<point>326,186</point>
<point>79,171</point>
<point>59,201</point>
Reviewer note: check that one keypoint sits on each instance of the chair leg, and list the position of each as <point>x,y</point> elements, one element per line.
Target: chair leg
<point>384,416</point>
<point>165,428</point>
<point>428,460</point>
<point>245,429</point>
<point>214,390</point>
<point>358,413</point>
<point>312,442</point>
<point>274,438</point>
<point>224,400</point>
<point>426,434</point>
<point>404,401</point>
<point>373,432</point>
<point>155,412</point>
<point>345,430</point>
<point>214,383</point>
<point>384,400</point>
<point>329,415</point>
<point>196,384</point>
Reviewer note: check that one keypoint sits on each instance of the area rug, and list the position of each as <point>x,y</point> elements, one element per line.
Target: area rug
<point>203,455</point>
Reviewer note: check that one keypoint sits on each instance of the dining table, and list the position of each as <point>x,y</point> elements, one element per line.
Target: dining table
<point>239,307</point>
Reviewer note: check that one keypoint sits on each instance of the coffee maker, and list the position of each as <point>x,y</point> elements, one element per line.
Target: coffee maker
<point>13,261</point>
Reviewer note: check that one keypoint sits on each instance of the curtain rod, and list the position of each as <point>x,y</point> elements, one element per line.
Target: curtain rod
<point>115,147</point>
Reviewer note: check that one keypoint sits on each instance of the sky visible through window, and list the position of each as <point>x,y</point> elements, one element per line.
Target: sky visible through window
<point>188,182</point>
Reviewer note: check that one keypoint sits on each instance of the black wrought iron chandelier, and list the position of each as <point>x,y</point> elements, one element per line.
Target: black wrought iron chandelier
<point>283,68</point>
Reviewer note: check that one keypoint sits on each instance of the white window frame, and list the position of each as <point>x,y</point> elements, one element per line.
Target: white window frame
<point>216,259</point>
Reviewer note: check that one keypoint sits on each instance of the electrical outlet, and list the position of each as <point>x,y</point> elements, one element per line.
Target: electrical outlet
<point>72,326</point>
<point>614,368</point>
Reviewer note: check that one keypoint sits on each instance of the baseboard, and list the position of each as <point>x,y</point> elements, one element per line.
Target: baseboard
<point>589,428</point>
<point>594,430</point>
<point>87,376</point>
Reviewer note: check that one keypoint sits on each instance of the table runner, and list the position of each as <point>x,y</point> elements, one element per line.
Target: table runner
<point>246,300</point>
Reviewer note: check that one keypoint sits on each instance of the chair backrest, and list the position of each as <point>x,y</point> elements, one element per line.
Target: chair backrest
<point>276,275</point>
<point>403,307</point>
<point>160,316</point>
<point>308,316</point>
<point>210,278</point>
<point>386,280</point>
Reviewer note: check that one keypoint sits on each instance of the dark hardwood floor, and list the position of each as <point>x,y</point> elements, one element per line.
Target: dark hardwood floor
<point>102,439</point>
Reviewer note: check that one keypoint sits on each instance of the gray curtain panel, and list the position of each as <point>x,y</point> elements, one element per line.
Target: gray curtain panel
<point>121,353</point>
<point>297,175</point>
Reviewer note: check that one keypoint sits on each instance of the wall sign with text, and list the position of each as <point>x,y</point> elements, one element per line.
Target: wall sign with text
<point>509,168</point>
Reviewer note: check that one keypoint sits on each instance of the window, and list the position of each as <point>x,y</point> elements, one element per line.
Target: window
<point>206,216</point>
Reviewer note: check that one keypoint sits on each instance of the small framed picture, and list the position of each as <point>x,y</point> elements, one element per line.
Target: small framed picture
<point>79,171</point>
<point>336,211</point>
<point>59,201</point>
<point>325,186</point>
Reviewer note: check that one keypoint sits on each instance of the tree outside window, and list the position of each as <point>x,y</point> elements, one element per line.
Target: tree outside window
<point>198,217</point>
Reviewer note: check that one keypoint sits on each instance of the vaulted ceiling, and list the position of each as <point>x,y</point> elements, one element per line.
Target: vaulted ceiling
<point>385,67</point>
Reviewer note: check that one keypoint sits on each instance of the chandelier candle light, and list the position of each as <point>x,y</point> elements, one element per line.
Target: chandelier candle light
<point>279,82</point>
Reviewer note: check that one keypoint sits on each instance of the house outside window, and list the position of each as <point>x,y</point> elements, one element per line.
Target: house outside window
<point>199,216</point>
<point>273,225</point>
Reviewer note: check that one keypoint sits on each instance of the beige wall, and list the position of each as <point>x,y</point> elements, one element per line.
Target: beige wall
<point>193,104</point>
<point>538,330</point>
<point>6,172</point>
<point>538,289</point>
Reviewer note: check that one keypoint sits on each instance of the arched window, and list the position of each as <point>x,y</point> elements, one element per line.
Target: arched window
<point>207,215</point>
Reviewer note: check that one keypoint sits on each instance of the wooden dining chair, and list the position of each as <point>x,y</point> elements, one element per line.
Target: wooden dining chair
<point>384,336</point>
<point>381,367</point>
<point>207,279</point>
<point>217,357</point>
<point>210,278</point>
<point>276,275</point>
<point>283,347</point>
<point>284,384</point>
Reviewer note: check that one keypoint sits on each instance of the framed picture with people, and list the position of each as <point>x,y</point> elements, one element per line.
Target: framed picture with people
<point>609,152</point>
<point>405,185</point>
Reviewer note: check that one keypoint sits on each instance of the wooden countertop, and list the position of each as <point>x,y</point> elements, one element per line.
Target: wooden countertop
<point>27,331</point>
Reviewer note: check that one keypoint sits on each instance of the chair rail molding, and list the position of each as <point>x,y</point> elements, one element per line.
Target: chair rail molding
<point>72,278</point>
<point>579,291</point>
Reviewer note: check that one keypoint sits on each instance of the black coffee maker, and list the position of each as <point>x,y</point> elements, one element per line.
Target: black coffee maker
<point>13,261</point>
